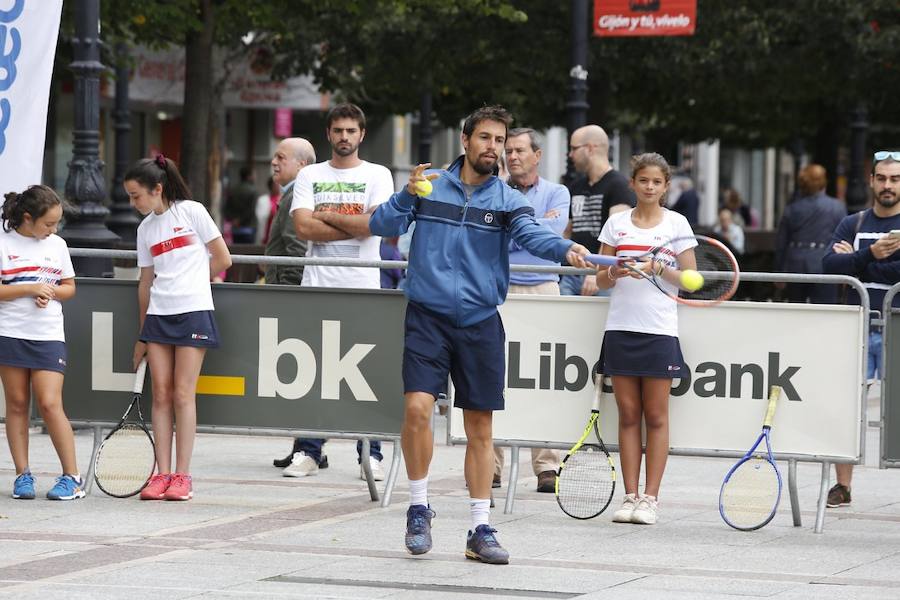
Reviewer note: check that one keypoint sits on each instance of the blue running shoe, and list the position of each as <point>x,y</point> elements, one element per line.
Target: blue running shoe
<point>483,545</point>
<point>418,529</point>
<point>23,488</point>
<point>67,488</point>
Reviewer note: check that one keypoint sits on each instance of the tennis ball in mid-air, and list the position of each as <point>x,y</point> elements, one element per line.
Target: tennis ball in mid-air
<point>691,280</point>
<point>423,187</point>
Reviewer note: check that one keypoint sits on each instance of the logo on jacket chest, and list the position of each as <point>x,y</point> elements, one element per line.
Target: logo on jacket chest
<point>489,218</point>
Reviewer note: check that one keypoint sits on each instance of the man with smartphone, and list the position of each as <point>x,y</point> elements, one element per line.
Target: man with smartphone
<point>865,246</point>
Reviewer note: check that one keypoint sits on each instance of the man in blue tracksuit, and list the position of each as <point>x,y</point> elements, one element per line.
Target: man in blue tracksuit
<point>458,274</point>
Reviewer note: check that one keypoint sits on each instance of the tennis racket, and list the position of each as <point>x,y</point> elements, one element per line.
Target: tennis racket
<point>127,457</point>
<point>586,478</point>
<point>715,262</point>
<point>752,488</point>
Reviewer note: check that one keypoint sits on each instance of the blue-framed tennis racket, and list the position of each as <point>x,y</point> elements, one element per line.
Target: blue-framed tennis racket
<point>752,488</point>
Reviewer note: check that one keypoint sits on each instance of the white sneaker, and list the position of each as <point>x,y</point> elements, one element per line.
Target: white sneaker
<point>645,511</point>
<point>377,471</point>
<point>301,466</point>
<point>623,515</point>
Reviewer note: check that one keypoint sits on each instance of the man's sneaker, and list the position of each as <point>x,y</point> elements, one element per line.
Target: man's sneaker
<point>67,487</point>
<point>546,482</point>
<point>839,495</point>
<point>483,545</point>
<point>645,511</point>
<point>377,471</point>
<point>623,515</point>
<point>281,463</point>
<point>418,528</point>
<point>495,482</point>
<point>156,489</point>
<point>301,466</point>
<point>180,488</point>
<point>23,488</point>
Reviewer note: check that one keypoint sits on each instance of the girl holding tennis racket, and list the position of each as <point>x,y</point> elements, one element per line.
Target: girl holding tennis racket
<point>37,275</point>
<point>640,351</point>
<point>179,250</point>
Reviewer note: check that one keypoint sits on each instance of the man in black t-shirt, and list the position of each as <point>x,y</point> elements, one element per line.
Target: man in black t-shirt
<point>597,192</point>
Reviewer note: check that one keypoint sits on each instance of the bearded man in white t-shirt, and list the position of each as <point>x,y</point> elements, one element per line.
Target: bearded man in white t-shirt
<point>332,203</point>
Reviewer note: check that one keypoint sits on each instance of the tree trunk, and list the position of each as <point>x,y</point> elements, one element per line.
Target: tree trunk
<point>198,90</point>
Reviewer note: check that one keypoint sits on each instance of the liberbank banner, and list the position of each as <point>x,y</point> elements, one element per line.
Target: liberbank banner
<point>619,18</point>
<point>330,360</point>
<point>28,31</point>
<point>734,353</point>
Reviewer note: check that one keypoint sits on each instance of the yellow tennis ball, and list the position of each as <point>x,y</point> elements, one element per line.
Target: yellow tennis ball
<point>424,187</point>
<point>691,280</point>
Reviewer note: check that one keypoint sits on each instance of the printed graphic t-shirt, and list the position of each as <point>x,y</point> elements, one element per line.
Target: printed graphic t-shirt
<point>590,206</point>
<point>174,244</point>
<point>635,304</point>
<point>321,187</point>
<point>26,260</point>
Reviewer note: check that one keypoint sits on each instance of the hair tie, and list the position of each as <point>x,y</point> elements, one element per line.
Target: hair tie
<point>161,161</point>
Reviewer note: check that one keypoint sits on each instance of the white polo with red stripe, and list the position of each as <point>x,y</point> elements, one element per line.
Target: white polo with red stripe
<point>174,244</point>
<point>635,304</point>
<point>27,260</point>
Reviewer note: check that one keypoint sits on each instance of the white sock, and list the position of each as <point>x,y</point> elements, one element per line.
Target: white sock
<point>480,510</point>
<point>418,491</point>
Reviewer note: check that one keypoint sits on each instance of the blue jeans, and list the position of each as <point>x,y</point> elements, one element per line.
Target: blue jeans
<point>313,448</point>
<point>874,366</point>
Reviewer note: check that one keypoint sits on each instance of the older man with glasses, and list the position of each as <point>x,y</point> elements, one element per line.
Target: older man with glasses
<point>864,247</point>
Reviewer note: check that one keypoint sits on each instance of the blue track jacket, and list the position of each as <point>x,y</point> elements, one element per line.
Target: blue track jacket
<point>459,256</point>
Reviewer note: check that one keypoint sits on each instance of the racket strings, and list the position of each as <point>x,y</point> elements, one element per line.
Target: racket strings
<point>586,483</point>
<point>719,273</point>
<point>125,461</point>
<point>750,496</point>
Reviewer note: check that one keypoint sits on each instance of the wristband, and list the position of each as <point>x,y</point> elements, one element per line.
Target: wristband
<point>660,268</point>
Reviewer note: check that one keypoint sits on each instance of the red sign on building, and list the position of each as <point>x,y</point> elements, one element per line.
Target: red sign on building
<point>617,18</point>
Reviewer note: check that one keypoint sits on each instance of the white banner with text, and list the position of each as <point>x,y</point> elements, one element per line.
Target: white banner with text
<point>734,353</point>
<point>28,31</point>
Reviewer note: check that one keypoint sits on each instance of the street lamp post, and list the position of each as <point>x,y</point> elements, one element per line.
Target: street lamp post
<point>857,193</point>
<point>123,220</point>
<point>85,187</point>
<point>577,104</point>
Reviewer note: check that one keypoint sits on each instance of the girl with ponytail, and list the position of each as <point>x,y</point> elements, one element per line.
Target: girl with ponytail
<point>179,249</point>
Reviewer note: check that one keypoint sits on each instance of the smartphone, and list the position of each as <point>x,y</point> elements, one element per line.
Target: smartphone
<point>895,233</point>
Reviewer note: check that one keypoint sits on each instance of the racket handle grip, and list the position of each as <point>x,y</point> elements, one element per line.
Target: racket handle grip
<point>774,394</point>
<point>601,259</point>
<point>139,376</point>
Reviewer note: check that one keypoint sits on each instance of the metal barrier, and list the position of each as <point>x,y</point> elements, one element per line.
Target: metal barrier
<point>797,436</point>
<point>390,333</point>
<point>889,423</point>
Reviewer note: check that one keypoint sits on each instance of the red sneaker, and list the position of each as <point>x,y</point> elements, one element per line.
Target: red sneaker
<point>156,489</point>
<point>181,487</point>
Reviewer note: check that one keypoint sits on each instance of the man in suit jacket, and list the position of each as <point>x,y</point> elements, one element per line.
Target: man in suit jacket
<point>291,155</point>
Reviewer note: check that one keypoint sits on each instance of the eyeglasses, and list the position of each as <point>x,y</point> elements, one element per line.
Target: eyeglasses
<point>575,148</point>
<point>886,154</point>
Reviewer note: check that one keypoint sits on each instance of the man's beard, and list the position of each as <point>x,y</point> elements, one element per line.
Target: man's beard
<point>344,150</point>
<point>887,200</point>
<point>482,167</point>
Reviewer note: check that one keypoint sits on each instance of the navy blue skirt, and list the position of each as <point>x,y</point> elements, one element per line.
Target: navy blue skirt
<point>641,355</point>
<point>196,329</point>
<point>38,355</point>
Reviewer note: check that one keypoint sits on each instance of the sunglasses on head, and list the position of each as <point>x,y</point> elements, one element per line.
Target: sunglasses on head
<point>886,154</point>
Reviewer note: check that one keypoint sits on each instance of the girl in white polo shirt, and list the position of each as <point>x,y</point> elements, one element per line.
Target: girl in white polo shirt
<point>179,249</point>
<point>641,351</point>
<point>37,275</point>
